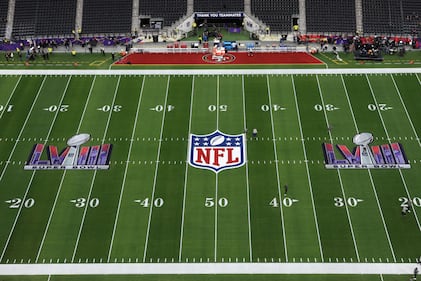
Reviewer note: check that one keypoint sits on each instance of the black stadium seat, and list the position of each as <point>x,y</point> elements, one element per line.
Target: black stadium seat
<point>169,10</point>
<point>330,16</point>
<point>107,16</point>
<point>50,18</point>
<point>3,16</point>
<point>276,14</point>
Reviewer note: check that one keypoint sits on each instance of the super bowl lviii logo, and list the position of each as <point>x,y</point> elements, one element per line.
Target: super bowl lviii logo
<point>363,156</point>
<point>73,157</point>
<point>217,151</point>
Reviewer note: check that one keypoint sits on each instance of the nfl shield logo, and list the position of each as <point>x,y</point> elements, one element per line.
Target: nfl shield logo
<point>217,151</point>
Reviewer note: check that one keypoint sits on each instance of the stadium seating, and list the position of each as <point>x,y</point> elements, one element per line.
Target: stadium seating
<point>168,10</point>
<point>330,15</point>
<point>57,18</point>
<point>37,17</point>
<point>218,6</point>
<point>411,10</point>
<point>107,16</point>
<point>381,16</point>
<point>3,16</point>
<point>25,18</point>
<point>391,17</point>
<point>276,14</point>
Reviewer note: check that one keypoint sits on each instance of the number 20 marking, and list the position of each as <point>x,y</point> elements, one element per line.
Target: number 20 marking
<point>416,201</point>
<point>7,107</point>
<point>15,203</point>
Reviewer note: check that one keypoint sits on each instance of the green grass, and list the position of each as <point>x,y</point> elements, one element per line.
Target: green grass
<point>412,59</point>
<point>152,205</point>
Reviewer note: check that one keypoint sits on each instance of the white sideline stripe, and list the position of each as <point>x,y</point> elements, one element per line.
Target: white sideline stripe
<point>207,268</point>
<point>206,71</point>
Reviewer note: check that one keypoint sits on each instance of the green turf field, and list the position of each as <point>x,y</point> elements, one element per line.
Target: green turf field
<point>152,206</point>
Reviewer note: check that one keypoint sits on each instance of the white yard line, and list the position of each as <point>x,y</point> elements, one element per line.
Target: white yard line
<point>382,216</point>
<point>277,170</point>
<point>156,171</point>
<point>216,177</point>
<point>33,173</point>
<point>406,110</point>
<point>308,170</point>
<point>185,175</point>
<point>62,179</point>
<point>418,78</point>
<point>389,139</point>
<point>247,172</point>
<point>339,173</point>
<point>208,71</point>
<point>10,97</point>
<point>417,138</point>
<point>206,268</point>
<point>94,176</point>
<point>24,124</point>
<point>369,173</point>
<point>125,170</point>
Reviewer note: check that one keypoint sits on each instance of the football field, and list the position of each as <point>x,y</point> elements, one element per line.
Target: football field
<point>188,182</point>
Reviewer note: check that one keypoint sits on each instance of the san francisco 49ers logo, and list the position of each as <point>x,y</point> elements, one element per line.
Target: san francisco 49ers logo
<point>217,151</point>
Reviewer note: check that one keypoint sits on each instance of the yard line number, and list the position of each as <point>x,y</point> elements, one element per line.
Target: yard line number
<point>287,202</point>
<point>327,107</point>
<point>15,203</point>
<point>221,202</point>
<point>82,202</point>
<point>160,107</point>
<point>380,106</point>
<point>145,203</point>
<point>7,108</point>
<point>222,107</point>
<point>107,108</point>
<point>54,108</point>
<point>350,201</point>
<point>275,107</point>
<point>416,201</point>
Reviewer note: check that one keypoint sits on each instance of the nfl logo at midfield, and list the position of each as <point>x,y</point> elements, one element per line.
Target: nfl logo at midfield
<point>217,151</point>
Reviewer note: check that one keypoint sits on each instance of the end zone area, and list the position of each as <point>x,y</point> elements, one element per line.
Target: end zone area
<point>234,58</point>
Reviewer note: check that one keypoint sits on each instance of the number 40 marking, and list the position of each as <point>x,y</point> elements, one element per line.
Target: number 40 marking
<point>287,202</point>
<point>145,203</point>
